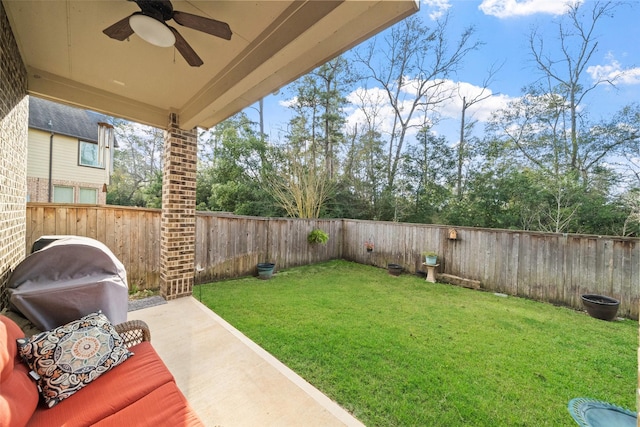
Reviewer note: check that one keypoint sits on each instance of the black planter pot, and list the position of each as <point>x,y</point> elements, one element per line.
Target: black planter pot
<point>394,269</point>
<point>600,306</point>
<point>265,270</point>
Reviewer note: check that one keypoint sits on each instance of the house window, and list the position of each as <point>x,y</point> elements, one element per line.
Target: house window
<point>89,155</point>
<point>88,195</point>
<point>62,194</point>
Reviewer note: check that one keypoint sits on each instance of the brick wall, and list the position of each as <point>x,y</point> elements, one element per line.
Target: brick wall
<point>14,111</point>
<point>38,189</point>
<point>178,222</point>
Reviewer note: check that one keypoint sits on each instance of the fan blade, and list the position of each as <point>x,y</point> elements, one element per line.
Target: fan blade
<point>120,30</point>
<point>185,50</point>
<point>206,25</point>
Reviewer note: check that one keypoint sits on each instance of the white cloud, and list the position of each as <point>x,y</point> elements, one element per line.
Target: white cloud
<point>369,107</point>
<point>480,110</point>
<point>376,104</point>
<point>286,103</point>
<point>614,72</point>
<point>439,7</point>
<point>510,8</point>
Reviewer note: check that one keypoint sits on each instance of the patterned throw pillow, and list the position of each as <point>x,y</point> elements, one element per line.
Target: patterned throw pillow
<point>69,357</point>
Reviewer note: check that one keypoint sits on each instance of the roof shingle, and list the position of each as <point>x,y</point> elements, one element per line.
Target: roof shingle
<point>62,119</point>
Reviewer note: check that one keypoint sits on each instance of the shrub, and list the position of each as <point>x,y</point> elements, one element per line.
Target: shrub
<point>317,236</point>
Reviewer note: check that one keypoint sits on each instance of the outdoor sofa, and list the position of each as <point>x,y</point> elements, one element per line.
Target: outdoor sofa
<point>139,391</point>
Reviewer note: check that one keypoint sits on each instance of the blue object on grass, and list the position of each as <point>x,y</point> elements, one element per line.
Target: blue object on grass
<point>594,413</point>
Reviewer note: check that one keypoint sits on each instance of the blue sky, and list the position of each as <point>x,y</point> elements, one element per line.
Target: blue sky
<point>504,27</point>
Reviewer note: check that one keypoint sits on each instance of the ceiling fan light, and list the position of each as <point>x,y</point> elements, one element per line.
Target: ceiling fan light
<point>151,30</point>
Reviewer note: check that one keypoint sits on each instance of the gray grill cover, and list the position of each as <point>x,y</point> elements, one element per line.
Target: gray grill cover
<point>69,278</point>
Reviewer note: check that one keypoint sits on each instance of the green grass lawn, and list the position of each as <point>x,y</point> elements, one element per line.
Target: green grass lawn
<point>398,351</point>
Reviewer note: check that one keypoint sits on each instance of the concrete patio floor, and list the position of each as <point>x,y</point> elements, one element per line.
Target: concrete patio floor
<point>228,379</point>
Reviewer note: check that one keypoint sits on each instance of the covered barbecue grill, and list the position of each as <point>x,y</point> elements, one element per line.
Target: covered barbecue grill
<point>68,277</point>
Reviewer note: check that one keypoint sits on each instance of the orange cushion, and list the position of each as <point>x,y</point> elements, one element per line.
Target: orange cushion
<point>18,393</point>
<point>18,398</point>
<point>111,392</point>
<point>9,333</point>
<point>165,406</point>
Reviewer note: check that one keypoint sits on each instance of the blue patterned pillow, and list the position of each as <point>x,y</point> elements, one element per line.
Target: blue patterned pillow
<point>69,357</point>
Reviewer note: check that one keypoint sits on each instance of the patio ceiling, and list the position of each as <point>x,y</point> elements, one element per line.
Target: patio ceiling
<point>70,60</point>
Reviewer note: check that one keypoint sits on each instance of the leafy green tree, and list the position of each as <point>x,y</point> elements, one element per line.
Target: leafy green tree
<point>304,175</point>
<point>318,106</point>
<point>231,166</point>
<point>346,203</point>
<point>137,163</point>
<point>123,190</point>
<point>492,200</point>
<point>364,172</point>
<point>152,193</point>
<point>431,166</point>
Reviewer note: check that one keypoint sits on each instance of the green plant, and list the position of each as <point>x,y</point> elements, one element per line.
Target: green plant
<point>429,253</point>
<point>317,236</point>
<point>133,289</point>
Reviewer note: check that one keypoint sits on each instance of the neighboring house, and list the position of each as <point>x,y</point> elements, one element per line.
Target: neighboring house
<point>69,154</point>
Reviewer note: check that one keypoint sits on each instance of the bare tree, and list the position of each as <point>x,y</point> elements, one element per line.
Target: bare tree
<point>412,65</point>
<point>299,182</point>
<point>578,42</point>
<point>466,103</point>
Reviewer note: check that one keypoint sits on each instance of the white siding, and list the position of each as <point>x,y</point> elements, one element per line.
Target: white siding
<point>65,160</point>
<point>38,154</point>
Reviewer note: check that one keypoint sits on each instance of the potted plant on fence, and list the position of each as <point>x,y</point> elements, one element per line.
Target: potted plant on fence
<point>430,257</point>
<point>317,236</point>
<point>369,245</point>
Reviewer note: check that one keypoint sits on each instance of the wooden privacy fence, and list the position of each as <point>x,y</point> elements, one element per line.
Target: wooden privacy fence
<point>132,234</point>
<point>226,245</point>
<point>555,268</point>
<point>232,246</point>
<point>548,267</point>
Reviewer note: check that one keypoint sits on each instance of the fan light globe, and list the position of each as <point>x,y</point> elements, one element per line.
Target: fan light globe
<point>151,30</point>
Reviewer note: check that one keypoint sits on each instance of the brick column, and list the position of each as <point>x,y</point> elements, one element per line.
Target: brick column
<point>14,121</point>
<point>178,223</point>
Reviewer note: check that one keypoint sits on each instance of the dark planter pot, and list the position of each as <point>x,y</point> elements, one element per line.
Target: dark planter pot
<point>601,307</point>
<point>265,270</point>
<point>394,269</point>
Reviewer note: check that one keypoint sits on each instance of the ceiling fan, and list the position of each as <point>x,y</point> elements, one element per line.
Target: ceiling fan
<point>151,25</point>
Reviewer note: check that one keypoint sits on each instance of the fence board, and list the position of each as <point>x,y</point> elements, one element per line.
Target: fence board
<point>110,224</point>
<point>512,266</point>
<point>61,222</point>
<point>555,274</point>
